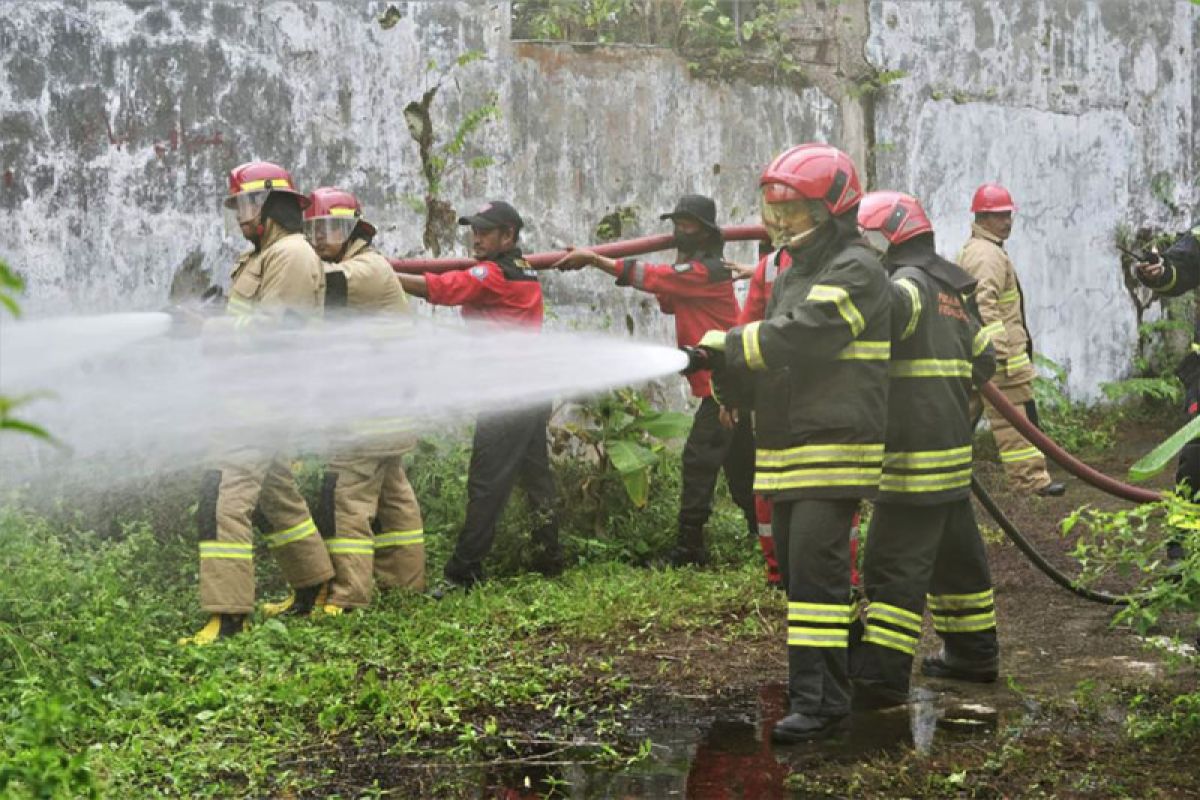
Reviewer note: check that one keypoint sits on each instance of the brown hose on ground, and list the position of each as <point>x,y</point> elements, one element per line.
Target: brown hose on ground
<point>1042,442</point>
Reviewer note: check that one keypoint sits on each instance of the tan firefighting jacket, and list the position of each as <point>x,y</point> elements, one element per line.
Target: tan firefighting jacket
<point>281,281</point>
<point>1001,306</point>
<point>371,287</point>
<point>371,284</point>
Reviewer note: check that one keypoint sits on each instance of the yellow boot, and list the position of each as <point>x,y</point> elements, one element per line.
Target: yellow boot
<point>219,626</point>
<point>299,602</point>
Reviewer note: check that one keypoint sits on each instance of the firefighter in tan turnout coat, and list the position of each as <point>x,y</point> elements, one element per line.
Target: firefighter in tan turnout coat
<point>1002,310</point>
<point>368,512</point>
<point>279,282</point>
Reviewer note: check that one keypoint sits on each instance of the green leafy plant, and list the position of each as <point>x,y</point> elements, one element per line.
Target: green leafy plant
<point>11,285</point>
<point>628,435</point>
<point>1131,544</point>
<point>1073,425</point>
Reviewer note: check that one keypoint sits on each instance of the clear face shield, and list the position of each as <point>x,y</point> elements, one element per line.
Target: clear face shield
<point>790,222</point>
<point>242,209</point>
<point>329,234</point>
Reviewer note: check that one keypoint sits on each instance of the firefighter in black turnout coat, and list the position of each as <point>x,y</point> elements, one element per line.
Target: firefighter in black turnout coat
<point>817,368</point>
<point>923,540</point>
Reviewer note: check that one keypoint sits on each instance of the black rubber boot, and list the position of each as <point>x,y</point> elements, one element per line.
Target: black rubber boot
<point>804,728</point>
<point>942,666</point>
<point>875,696</point>
<point>305,601</point>
<point>548,558</point>
<point>689,548</point>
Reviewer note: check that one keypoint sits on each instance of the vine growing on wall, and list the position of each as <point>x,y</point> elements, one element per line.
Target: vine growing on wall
<point>443,158</point>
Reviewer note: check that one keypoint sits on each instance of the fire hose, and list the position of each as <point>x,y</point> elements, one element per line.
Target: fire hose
<point>1105,483</point>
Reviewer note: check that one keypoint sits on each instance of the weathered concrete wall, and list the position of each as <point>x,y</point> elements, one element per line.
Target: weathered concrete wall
<point>119,120</point>
<point>1076,106</point>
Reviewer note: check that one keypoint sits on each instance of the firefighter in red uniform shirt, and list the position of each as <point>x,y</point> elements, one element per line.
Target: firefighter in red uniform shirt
<point>698,291</point>
<point>509,444</point>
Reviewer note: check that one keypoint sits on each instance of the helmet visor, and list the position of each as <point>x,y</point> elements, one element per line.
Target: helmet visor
<point>792,219</point>
<point>876,239</point>
<point>325,232</point>
<point>243,208</point>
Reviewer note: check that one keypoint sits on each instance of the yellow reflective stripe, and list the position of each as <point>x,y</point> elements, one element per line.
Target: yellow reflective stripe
<point>893,640</point>
<point>969,624</point>
<point>276,183</point>
<point>993,328</point>
<point>752,348</point>
<point>914,295</point>
<point>930,368</point>
<point>818,637</point>
<point>236,550</point>
<point>818,453</point>
<point>292,534</point>
<point>820,293</point>
<point>1171,283</point>
<point>866,351</point>
<point>891,482</point>
<point>1011,296</point>
<point>400,539</point>
<point>1024,454</point>
<point>361,547</point>
<point>947,602</point>
<point>342,212</point>
<point>895,615</point>
<point>1016,362</point>
<point>821,612</point>
<point>982,340</point>
<point>928,459</point>
<point>815,478</point>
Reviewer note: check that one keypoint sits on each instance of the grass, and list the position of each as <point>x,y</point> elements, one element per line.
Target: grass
<point>99,700</point>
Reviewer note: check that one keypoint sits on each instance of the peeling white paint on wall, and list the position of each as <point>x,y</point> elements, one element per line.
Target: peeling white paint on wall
<point>1074,105</point>
<point>119,121</point>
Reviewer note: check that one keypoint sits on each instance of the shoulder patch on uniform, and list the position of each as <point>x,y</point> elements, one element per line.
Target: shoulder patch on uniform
<point>684,267</point>
<point>479,272</point>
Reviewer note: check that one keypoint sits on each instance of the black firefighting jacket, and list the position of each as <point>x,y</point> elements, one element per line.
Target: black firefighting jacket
<point>939,351</point>
<point>818,363</point>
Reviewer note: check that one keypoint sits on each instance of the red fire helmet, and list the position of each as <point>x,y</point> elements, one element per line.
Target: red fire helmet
<point>261,176</point>
<point>992,198</point>
<point>329,201</point>
<point>898,216</point>
<point>813,172</point>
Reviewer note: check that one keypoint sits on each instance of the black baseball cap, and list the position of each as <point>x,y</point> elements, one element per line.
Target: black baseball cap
<point>494,214</point>
<point>697,207</point>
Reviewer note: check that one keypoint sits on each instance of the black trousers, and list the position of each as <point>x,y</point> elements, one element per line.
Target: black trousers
<point>919,552</point>
<point>810,542</point>
<point>710,447</point>
<point>507,448</point>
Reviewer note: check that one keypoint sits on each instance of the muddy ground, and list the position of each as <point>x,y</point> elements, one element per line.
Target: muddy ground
<point>1054,726</point>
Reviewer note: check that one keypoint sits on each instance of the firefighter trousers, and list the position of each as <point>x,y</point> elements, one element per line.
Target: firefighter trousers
<point>711,447</point>
<point>810,542</point>
<point>371,522</point>
<point>246,490</point>
<point>917,554</point>
<point>1023,463</point>
<point>507,448</point>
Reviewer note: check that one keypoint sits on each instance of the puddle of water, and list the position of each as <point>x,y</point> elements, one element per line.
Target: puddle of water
<point>725,753</point>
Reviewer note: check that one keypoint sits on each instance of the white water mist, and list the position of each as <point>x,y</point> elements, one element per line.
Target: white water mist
<point>124,400</point>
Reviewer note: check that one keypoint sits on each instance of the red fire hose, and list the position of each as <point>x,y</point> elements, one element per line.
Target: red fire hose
<point>1061,457</point>
<point>630,247</point>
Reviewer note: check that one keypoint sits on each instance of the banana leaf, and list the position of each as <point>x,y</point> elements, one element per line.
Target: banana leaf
<point>1153,462</point>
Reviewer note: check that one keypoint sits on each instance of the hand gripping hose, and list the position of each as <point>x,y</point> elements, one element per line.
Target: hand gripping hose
<point>630,247</point>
